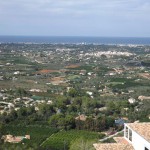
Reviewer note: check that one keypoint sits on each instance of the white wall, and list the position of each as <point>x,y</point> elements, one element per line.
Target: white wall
<point>138,142</point>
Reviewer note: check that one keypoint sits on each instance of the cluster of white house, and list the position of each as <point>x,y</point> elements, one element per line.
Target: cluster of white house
<point>7,107</point>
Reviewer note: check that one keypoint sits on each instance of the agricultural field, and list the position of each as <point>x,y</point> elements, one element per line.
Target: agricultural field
<point>79,88</point>
<point>64,138</point>
<point>37,133</point>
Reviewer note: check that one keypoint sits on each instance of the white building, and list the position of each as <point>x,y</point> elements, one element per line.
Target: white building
<point>136,137</point>
<point>131,100</point>
<point>138,134</point>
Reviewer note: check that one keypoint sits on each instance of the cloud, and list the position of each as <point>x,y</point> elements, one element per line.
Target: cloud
<point>74,15</point>
<point>81,7</point>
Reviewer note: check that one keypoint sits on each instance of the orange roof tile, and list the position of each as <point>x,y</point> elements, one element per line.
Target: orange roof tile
<point>121,140</point>
<point>113,146</point>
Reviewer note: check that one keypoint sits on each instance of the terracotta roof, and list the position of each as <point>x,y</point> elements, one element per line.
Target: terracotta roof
<point>15,140</point>
<point>143,129</point>
<point>121,140</point>
<point>81,117</point>
<point>113,146</point>
<point>143,97</point>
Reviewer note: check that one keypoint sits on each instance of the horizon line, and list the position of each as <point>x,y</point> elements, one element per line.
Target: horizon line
<point>77,36</point>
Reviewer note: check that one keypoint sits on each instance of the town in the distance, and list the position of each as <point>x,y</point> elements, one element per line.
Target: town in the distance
<point>74,97</point>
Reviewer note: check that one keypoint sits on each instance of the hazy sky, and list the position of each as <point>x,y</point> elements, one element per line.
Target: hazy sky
<point>129,18</point>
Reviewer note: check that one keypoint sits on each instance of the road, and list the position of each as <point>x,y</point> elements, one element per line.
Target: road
<point>106,138</point>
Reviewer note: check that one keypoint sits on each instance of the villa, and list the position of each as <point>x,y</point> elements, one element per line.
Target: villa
<point>136,137</point>
<point>14,139</point>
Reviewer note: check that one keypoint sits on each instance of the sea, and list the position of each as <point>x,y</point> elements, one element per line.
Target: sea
<point>76,40</point>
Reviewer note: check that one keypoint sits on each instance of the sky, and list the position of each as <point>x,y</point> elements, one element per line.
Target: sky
<point>109,18</point>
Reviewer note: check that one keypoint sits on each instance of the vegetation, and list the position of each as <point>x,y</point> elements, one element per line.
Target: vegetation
<point>65,139</point>
<point>64,95</point>
<point>37,133</point>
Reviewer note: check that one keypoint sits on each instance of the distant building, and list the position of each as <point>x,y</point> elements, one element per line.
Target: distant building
<point>120,122</point>
<point>81,117</point>
<point>14,139</point>
<point>144,98</point>
<point>136,137</point>
<point>102,109</point>
<point>131,100</point>
<point>89,93</point>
